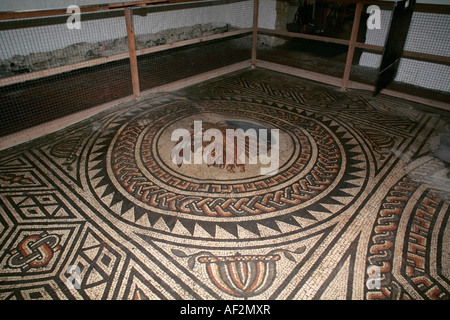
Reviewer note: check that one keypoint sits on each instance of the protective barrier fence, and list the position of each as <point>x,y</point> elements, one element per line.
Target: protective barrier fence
<point>51,67</point>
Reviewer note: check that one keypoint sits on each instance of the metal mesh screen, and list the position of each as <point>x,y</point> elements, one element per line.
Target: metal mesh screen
<point>315,35</point>
<point>428,35</point>
<point>323,29</point>
<point>160,25</point>
<point>327,18</point>
<point>159,68</point>
<point>49,71</point>
<point>309,55</point>
<point>169,45</point>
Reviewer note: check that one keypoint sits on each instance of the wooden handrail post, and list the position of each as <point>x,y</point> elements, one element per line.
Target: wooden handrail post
<point>351,47</point>
<point>132,51</point>
<point>255,31</point>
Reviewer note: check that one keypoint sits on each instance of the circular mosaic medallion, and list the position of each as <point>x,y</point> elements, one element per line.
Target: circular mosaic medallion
<point>286,170</point>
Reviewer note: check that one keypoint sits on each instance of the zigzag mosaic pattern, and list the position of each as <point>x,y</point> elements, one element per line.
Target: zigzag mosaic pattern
<point>359,208</point>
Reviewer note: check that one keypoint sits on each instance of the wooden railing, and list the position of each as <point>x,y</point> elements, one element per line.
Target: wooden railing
<point>352,43</point>
<point>133,53</point>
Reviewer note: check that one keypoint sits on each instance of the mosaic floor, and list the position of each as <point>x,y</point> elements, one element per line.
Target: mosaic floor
<point>348,198</point>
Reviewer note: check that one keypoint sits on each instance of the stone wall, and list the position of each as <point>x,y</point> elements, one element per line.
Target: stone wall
<point>281,21</point>
<point>84,51</point>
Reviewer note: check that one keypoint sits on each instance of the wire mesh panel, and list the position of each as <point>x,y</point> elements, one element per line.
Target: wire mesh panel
<point>177,42</point>
<point>48,70</point>
<point>159,68</point>
<point>333,19</point>
<point>319,32</point>
<point>42,43</point>
<point>309,55</point>
<point>315,35</point>
<point>428,35</point>
<point>166,24</point>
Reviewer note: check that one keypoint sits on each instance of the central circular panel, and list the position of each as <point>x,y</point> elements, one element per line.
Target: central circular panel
<point>298,161</point>
<point>229,190</point>
<point>249,133</point>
